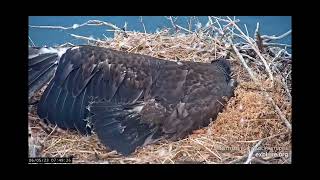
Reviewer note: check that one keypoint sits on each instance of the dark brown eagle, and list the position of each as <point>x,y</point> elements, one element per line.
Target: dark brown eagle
<point>128,100</point>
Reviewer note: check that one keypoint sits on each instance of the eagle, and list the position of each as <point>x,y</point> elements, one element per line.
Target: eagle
<point>128,100</point>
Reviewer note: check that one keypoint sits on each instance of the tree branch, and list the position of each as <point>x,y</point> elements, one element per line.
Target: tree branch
<point>75,26</point>
<point>252,151</point>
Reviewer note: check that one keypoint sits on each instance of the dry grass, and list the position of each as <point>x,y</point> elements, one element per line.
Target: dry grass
<point>248,118</point>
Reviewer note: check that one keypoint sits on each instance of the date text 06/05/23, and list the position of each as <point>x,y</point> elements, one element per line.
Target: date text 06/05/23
<point>50,160</point>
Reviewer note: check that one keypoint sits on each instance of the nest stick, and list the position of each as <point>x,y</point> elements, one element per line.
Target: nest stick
<point>85,38</point>
<point>265,37</point>
<point>75,26</point>
<point>31,41</point>
<point>144,28</point>
<point>252,151</point>
<point>254,47</point>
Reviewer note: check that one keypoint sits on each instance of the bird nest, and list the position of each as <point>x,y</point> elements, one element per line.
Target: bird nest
<point>254,127</point>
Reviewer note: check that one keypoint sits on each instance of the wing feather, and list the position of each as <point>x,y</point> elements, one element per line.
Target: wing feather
<point>130,99</point>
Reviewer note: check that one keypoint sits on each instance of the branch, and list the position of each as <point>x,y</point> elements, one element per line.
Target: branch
<point>254,47</point>
<point>257,30</point>
<point>144,28</point>
<point>184,29</point>
<point>244,64</point>
<point>252,151</point>
<point>177,27</point>
<point>277,55</point>
<point>253,59</point>
<point>51,27</point>
<point>190,23</point>
<point>282,117</point>
<point>31,41</point>
<point>259,41</point>
<point>225,20</point>
<point>245,26</point>
<point>85,38</point>
<point>210,20</point>
<point>172,23</point>
<point>67,44</point>
<point>277,45</point>
<point>218,24</point>
<point>266,37</point>
<point>75,26</point>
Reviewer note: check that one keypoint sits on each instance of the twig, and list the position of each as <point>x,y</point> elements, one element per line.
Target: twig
<point>216,155</point>
<point>219,25</point>
<point>85,38</point>
<point>225,20</point>
<point>31,41</point>
<point>255,49</point>
<point>190,23</point>
<point>210,20</point>
<point>252,151</point>
<point>144,28</point>
<point>52,145</point>
<point>259,41</point>
<point>282,117</point>
<point>244,63</point>
<point>266,37</point>
<point>257,30</point>
<point>232,28</point>
<point>66,44</point>
<point>177,27</point>
<point>51,27</point>
<point>205,159</point>
<point>75,26</point>
<point>282,80</point>
<point>53,130</point>
<point>245,26</point>
<point>125,26</point>
<point>184,29</point>
<point>277,55</point>
<point>172,23</point>
<point>226,27</point>
<point>215,50</point>
<point>249,57</point>
<point>287,90</point>
<point>242,37</point>
<point>116,30</point>
<point>277,45</point>
<point>287,75</point>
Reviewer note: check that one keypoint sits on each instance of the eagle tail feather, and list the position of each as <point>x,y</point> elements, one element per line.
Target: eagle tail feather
<point>42,64</point>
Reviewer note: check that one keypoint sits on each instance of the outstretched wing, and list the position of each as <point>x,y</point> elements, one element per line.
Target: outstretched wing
<point>88,74</point>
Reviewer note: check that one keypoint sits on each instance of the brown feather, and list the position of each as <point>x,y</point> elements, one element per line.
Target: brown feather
<point>133,98</point>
